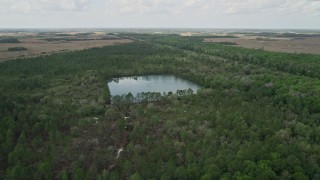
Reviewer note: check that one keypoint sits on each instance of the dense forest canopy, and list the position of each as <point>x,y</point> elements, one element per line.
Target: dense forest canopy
<point>257,116</point>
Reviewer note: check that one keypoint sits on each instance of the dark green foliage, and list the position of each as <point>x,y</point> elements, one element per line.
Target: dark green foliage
<point>228,36</point>
<point>226,43</point>
<point>9,40</point>
<point>256,118</point>
<point>20,48</point>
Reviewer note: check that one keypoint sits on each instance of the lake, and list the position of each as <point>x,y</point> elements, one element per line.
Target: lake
<point>150,83</point>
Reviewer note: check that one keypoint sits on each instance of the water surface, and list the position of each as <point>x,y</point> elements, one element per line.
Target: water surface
<point>151,83</point>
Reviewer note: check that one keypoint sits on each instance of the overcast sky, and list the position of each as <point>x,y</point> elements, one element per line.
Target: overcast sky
<point>292,14</point>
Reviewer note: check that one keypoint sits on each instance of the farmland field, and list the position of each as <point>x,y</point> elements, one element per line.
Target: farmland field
<point>290,45</point>
<point>47,45</point>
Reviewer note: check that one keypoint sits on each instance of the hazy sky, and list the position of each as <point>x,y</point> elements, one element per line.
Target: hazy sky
<point>295,14</point>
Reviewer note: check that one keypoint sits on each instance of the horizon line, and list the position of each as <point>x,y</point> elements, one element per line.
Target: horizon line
<point>214,28</point>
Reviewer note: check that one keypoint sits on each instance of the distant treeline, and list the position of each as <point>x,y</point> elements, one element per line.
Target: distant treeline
<point>226,43</point>
<point>227,36</point>
<point>9,40</point>
<point>80,39</point>
<point>20,48</point>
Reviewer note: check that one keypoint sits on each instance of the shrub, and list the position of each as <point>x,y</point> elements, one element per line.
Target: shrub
<point>17,48</point>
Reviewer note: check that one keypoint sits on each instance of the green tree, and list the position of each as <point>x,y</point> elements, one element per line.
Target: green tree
<point>136,176</point>
<point>181,173</point>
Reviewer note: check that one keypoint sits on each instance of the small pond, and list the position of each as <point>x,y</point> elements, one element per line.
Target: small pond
<point>150,83</point>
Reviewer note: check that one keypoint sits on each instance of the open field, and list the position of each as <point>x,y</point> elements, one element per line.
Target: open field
<point>42,47</point>
<point>291,45</point>
<point>47,42</point>
<point>43,43</point>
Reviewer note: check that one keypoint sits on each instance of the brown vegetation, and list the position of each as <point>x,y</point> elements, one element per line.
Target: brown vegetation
<point>38,47</point>
<point>295,45</point>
